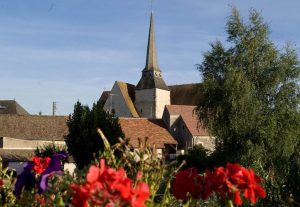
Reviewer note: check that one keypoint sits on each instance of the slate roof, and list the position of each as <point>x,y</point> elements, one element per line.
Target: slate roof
<point>127,91</point>
<point>185,94</point>
<point>151,57</point>
<point>104,96</point>
<point>34,127</point>
<point>189,117</point>
<point>150,81</point>
<point>151,74</point>
<point>140,128</point>
<point>11,107</point>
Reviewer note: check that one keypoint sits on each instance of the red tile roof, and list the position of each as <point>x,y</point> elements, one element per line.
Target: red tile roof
<point>189,117</point>
<point>140,128</point>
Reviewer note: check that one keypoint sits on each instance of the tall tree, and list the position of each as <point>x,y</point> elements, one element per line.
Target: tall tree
<point>83,141</point>
<point>251,95</point>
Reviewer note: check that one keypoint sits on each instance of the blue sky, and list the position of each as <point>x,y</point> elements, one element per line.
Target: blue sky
<point>69,50</point>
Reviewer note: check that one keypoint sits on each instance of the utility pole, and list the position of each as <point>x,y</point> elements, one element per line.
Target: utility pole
<point>53,108</point>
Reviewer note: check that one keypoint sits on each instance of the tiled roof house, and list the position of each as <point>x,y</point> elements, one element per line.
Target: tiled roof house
<point>21,134</point>
<point>184,125</point>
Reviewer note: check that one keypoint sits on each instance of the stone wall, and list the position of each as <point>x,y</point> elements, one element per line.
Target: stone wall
<point>144,103</point>
<point>116,101</point>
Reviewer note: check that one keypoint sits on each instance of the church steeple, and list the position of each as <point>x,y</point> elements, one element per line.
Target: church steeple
<point>151,58</point>
<point>151,74</point>
<point>151,93</point>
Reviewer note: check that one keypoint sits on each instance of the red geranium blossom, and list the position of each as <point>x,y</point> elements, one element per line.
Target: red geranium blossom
<point>40,164</point>
<point>187,182</point>
<point>235,179</point>
<point>107,187</point>
<point>229,182</point>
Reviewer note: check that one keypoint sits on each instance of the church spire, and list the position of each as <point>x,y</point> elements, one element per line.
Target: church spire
<point>151,74</point>
<point>151,58</point>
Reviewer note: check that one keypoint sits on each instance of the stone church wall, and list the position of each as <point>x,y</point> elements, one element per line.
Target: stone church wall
<point>116,101</point>
<point>144,102</point>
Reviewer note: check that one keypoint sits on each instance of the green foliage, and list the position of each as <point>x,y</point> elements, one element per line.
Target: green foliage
<point>197,157</point>
<point>7,176</point>
<point>157,175</point>
<point>83,141</point>
<point>251,100</point>
<point>48,150</point>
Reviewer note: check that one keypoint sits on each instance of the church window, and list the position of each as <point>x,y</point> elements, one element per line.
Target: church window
<point>141,110</point>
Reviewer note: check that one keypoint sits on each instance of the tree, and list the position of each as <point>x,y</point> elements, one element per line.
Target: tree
<point>251,96</point>
<point>83,141</point>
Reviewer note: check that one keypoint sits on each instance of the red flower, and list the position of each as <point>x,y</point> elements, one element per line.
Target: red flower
<point>237,198</point>
<point>187,182</point>
<point>40,200</point>
<point>107,187</point>
<point>81,195</point>
<point>229,182</point>
<point>141,193</point>
<point>253,189</point>
<point>40,164</point>
<point>233,179</point>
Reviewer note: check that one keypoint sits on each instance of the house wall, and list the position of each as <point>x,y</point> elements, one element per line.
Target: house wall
<point>162,99</point>
<point>182,135</point>
<point>169,119</point>
<point>12,143</point>
<point>206,141</point>
<point>116,101</point>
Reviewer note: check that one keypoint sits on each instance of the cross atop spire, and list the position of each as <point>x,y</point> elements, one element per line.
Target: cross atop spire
<point>151,59</point>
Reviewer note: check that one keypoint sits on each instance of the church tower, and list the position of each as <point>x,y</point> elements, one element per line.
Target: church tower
<point>151,93</point>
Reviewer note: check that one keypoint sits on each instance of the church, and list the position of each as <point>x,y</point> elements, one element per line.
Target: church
<point>151,107</point>
<point>151,113</point>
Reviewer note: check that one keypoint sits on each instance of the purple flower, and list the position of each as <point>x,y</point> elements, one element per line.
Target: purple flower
<point>54,166</point>
<point>25,180</point>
